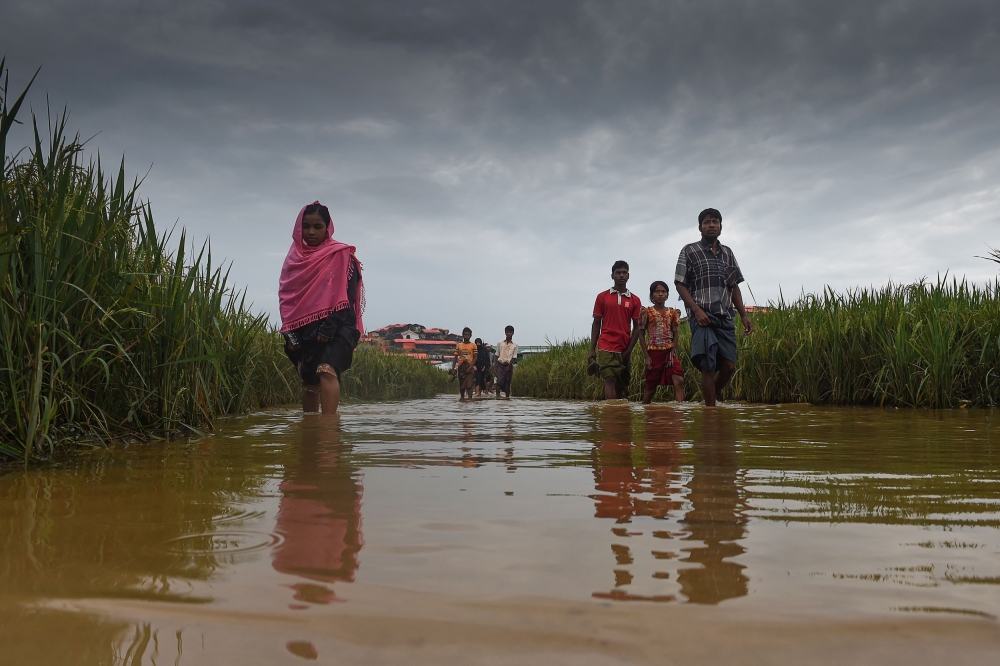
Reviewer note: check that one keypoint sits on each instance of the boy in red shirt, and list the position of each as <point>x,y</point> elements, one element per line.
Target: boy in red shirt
<point>610,341</point>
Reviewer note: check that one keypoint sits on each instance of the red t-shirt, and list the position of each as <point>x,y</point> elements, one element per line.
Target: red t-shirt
<point>617,312</point>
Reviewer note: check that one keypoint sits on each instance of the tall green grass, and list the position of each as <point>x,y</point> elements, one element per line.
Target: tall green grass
<point>107,331</point>
<point>561,373</point>
<point>103,329</point>
<point>920,345</point>
<point>376,376</point>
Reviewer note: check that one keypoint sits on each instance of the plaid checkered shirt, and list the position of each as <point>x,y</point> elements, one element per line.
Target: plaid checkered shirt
<point>710,276</point>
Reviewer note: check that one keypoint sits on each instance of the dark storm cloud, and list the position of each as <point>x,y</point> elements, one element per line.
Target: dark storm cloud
<point>556,136</point>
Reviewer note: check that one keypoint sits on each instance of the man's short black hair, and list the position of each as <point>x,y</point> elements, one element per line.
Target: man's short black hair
<point>709,212</point>
<point>619,264</point>
<point>508,328</point>
<point>466,329</point>
<point>658,283</point>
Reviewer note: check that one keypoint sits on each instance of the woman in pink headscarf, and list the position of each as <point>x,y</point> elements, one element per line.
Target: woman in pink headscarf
<point>321,299</point>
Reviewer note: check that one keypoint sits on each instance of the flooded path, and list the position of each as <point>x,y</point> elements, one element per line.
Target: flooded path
<point>529,531</point>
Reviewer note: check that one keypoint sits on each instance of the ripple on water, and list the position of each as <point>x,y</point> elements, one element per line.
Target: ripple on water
<point>231,514</point>
<point>222,543</point>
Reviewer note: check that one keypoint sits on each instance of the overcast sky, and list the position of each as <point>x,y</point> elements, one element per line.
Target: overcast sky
<point>491,160</point>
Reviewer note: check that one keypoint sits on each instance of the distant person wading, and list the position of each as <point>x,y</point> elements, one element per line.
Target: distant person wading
<point>482,367</point>
<point>464,365</point>
<point>321,298</point>
<point>506,357</point>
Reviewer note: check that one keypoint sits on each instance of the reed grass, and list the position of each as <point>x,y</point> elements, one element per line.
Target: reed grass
<point>561,373</point>
<point>106,331</point>
<point>377,376</point>
<point>928,344</point>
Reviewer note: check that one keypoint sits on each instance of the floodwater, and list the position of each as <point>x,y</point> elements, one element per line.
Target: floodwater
<point>523,531</point>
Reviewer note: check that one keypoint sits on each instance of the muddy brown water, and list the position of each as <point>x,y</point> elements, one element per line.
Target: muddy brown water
<point>516,531</point>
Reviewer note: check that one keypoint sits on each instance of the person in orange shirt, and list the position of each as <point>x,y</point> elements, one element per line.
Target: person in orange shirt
<point>465,364</point>
<point>658,342</point>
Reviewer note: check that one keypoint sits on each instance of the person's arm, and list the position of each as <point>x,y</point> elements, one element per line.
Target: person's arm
<point>595,328</point>
<point>680,278</point>
<point>475,351</point>
<point>738,302</point>
<point>595,333</point>
<point>643,322</point>
<point>636,334</point>
<point>335,320</point>
<point>675,326</point>
<point>696,311</point>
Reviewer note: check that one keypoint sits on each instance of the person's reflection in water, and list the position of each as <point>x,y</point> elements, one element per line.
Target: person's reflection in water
<point>664,431</point>
<point>716,516</point>
<point>620,483</point>
<point>614,474</point>
<point>320,514</point>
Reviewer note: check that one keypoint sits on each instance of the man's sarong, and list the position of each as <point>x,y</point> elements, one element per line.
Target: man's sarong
<point>710,342</point>
<point>466,377</point>
<point>505,371</point>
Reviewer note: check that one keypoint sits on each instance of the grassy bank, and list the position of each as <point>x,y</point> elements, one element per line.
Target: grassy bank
<point>561,373</point>
<point>920,345</point>
<point>105,331</point>
<point>377,376</point>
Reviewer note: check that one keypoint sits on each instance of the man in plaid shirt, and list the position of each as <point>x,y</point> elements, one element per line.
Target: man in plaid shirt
<point>707,279</point>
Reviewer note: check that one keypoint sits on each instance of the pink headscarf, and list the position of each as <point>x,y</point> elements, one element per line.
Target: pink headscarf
<point>314,280</point>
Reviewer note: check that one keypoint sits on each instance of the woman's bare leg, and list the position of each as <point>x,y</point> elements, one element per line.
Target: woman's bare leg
<point>329,387</point>
<point>647,397</point>
<point>310,398</point>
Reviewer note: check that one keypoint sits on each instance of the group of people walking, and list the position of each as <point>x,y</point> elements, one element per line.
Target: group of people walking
<point>479,368</point>
<point>321,299</point>
<point>707,279</point>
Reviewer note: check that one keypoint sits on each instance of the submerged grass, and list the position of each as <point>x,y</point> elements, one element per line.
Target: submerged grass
<point>920,345</point>
<point>105,331</point>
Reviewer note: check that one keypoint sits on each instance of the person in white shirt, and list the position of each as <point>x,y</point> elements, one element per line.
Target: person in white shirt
<point>506,354</point>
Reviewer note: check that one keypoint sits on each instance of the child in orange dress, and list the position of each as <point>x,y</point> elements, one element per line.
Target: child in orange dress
<point>660,324</point>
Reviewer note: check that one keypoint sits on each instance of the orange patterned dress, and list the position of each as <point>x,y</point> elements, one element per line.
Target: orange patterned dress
<point>660,327</point>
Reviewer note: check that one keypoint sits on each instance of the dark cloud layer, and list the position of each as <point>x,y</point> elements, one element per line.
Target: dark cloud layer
<point>491,159</point>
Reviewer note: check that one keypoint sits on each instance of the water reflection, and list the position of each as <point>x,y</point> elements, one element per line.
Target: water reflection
<point>664,432</point>
<point>615,476</point>
<point>638,473</point>
<point>319,516</point>
<point>716,518</point>
<point>171,547</point>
